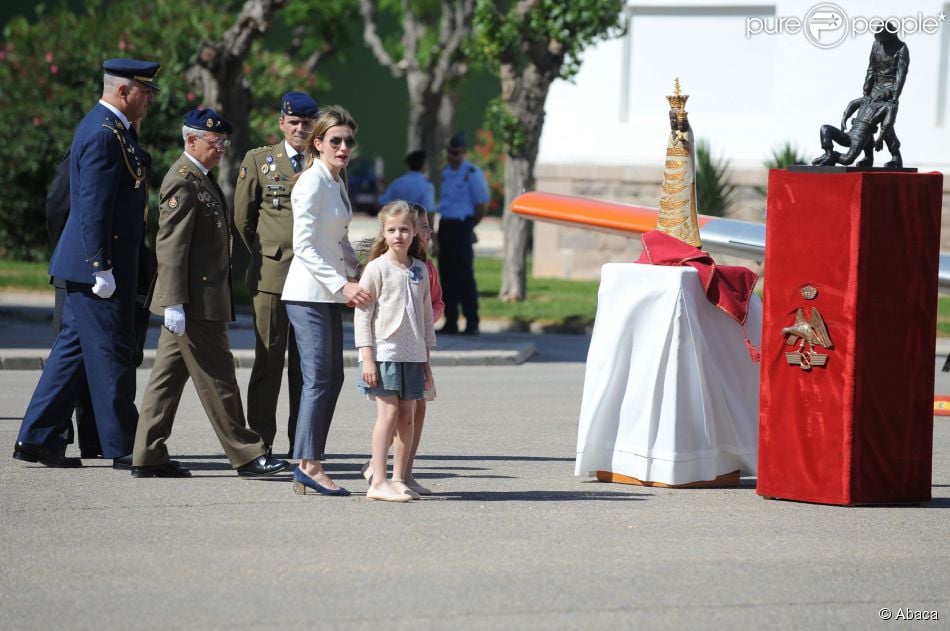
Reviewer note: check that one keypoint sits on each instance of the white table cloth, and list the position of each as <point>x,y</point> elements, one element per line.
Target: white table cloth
<point>670,392</point>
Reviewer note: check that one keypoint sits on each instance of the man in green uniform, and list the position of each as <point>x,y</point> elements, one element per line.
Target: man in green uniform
<point>193,292</point>
<point>263,218</point>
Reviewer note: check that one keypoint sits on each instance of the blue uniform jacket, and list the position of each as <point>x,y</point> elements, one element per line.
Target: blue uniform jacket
<point>413,187</point>
<point>107,204</point>
<point>462,188</point>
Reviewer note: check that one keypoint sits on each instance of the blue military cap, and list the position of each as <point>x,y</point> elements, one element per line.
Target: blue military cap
<point>458,141</point>
<point>142,71</point>
<point>207,119</point>
<point>298,104</point>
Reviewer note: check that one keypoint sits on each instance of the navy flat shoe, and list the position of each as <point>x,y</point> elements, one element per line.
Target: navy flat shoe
<point>302,482</point>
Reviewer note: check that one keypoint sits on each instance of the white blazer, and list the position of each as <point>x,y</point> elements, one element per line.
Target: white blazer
<point>323,256</point>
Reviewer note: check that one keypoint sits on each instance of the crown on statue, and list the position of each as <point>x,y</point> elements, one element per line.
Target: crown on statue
<point>677,99</point>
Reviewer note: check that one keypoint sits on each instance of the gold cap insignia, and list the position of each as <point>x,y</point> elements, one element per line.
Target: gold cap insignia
<point>209,123</point>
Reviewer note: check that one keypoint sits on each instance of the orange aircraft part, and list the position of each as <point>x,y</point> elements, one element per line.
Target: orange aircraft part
<point>941,405</point>
<point>589,213</point>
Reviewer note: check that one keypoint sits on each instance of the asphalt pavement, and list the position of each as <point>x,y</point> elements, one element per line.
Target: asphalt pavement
<point>509,540</point>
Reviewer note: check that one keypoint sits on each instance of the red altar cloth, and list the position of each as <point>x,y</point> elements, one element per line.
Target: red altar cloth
<point>729,287</point>
<point>858,430</point>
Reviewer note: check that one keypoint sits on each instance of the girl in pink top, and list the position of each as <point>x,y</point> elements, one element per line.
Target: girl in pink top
<point>425,234</point>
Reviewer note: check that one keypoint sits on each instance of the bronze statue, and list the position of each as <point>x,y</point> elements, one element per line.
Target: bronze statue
<point>883,84</point>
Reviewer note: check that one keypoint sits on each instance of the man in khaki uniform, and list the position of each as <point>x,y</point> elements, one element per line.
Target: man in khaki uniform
<point>263,218</point>
<point>193,293</point>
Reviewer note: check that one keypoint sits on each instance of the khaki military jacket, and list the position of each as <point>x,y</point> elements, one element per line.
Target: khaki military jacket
<point>193,246</point>
<point>263,217</point>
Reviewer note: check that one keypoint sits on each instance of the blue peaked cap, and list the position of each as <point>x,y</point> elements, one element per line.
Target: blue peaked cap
<point>142,71</point>
<point>208,120</point>
<point>298,104</point>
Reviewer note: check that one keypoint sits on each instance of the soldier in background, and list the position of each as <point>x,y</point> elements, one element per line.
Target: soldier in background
<point>462,206</point>
<point>264,221</point>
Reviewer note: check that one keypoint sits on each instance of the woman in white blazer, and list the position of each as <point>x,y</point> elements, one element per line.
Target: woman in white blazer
<point>321,279</point>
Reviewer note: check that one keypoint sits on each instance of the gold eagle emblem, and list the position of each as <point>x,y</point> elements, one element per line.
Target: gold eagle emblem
<point>807,333</point>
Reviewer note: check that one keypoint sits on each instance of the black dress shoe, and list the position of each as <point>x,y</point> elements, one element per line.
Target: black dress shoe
<point>122,462</point>
<point>263,465</point>
<point>448,330</point>
<point>170,469</point>
<point>44,455</point>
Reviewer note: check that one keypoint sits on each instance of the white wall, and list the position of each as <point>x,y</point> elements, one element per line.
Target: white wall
<point>747,95</point>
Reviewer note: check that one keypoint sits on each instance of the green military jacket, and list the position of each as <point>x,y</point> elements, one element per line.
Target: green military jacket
<point>193,246</point>
<point>263,217</point>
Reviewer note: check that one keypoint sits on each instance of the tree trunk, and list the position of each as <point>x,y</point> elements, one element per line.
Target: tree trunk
<point>219,74</point>
<point>443,131</point>
<point>519,177</point>
<point>524,93</point>
<point>424,109</point>
<point>431,85</point>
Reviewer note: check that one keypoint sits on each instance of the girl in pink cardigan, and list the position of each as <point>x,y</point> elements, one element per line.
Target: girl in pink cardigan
<point>425,234</point>
<point>394,334</point>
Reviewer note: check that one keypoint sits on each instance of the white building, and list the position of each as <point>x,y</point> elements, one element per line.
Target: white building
<point>758,75</point>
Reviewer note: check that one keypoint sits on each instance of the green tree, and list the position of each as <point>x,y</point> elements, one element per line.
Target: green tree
<point>530,43</point>
<point>234,70</point>
<point>782,157</point>
<point>431,54</point>
<point>51,75</point>
<point>713,187</point>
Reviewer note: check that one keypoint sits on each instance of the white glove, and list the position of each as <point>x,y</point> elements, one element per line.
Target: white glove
<point>175,319</point>
<point>104,286</point>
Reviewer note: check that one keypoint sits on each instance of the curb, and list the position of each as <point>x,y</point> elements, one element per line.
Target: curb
<point>515,355</point>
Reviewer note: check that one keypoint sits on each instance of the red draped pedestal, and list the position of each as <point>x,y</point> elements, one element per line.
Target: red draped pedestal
<point>859,429</point>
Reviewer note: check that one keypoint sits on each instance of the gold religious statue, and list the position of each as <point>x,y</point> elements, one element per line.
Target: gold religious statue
<point>677,216</point>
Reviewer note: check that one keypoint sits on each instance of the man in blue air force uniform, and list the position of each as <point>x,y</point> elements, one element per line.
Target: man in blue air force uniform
<point>462,205</point>
<point>98,257</point>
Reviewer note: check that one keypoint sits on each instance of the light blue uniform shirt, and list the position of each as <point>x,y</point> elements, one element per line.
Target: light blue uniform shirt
<point>413,187</point>
<point>462,189</point>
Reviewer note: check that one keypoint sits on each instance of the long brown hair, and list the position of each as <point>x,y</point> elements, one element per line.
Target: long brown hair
<point>397,208</point>
<point>327,117</point>
<point>420,213</point>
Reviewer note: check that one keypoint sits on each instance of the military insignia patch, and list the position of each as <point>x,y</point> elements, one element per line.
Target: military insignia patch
<point>209,123</point>
<point>263,168</point>
<point>243,173</point>
<point>173,203</point>
<point>183,171</point>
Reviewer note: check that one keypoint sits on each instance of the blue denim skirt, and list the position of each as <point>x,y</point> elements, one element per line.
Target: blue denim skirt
<point>405,380</point>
